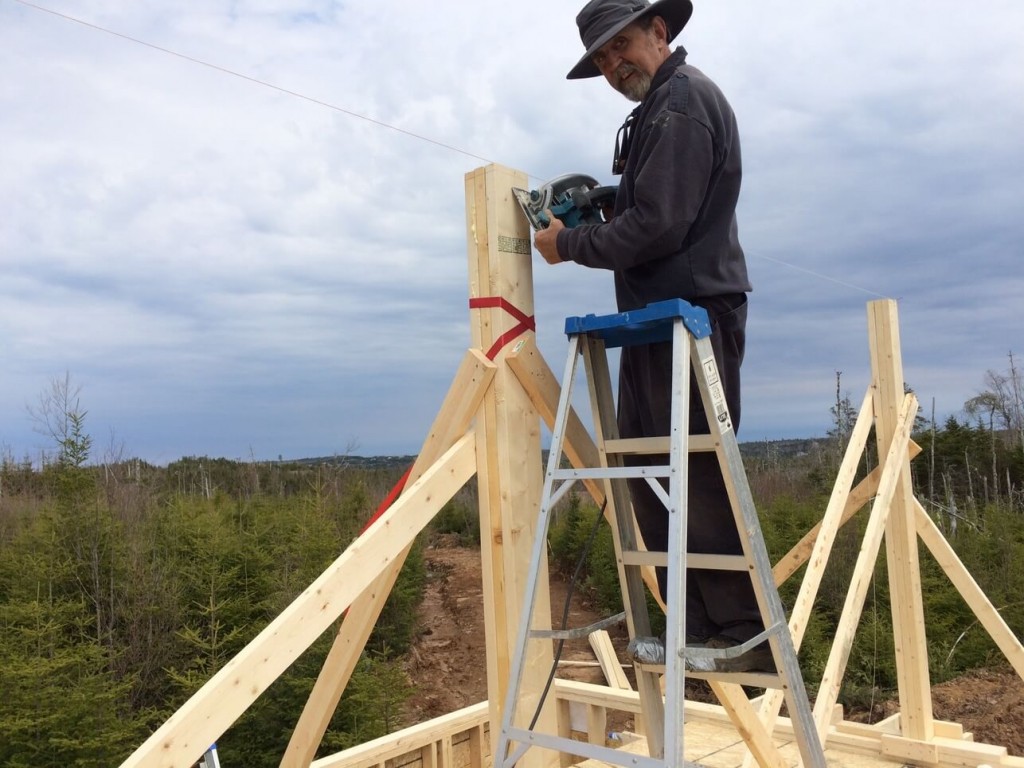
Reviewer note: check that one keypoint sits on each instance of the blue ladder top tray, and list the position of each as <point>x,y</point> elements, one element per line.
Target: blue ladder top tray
<point>648,325</point>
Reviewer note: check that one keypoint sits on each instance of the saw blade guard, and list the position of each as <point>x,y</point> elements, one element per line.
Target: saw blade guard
<point>574,199</point>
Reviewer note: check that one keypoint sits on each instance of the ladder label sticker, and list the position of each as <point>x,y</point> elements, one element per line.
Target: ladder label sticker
<point>718,404</point>
<point>710,370</point>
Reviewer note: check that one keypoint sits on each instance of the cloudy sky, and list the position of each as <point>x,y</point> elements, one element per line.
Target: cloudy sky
<point>240,226</point>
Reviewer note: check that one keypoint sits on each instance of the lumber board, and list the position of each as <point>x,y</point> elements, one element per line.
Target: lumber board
<point>971,754</point>
<point>830,524</point>
<point>869,730</point>
<point>415,737</point>
<point>597,725</point>
<point>957,573</point>
<point>183,738</point>
<point>907,603</point>
<point>948,730</point>
<point>601,642</point>
<point>591,694</point>
<point>509,468</point>
<point>747,724</point>
<point>910,750</point>
<point>828,690</point>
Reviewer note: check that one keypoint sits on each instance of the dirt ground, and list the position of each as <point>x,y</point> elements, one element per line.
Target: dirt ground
<point>448,665</point>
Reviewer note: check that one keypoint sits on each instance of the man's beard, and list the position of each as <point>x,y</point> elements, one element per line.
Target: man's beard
<point>637,86</point>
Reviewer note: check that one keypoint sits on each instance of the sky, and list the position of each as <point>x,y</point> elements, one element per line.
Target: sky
<point>239,227</point>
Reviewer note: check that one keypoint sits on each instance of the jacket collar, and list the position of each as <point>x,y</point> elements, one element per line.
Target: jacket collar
<point>675,59</point>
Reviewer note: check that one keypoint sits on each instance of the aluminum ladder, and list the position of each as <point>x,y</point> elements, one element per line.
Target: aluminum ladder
<point>689,330</point>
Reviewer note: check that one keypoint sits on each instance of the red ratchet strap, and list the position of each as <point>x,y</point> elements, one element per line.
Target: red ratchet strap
<point>526,322</point>
<point>389,499</point>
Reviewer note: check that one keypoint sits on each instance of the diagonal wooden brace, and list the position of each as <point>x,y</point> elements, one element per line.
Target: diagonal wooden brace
<point>189,732</point>
<point>453,419</point>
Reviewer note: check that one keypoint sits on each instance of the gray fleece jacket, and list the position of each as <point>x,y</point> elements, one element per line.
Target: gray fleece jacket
<point>674,232</point>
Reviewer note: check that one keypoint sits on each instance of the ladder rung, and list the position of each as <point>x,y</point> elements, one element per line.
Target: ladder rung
<point>718,562</point>
<point>641,557</point>
<point>645,445</point>
<point>693,560</point>
<point>610,473</point>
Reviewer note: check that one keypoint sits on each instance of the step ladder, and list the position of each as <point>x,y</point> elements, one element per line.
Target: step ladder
<point>689,330</point>
<point>210,759</point>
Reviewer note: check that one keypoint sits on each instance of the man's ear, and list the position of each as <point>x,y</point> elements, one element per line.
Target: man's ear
<point>660,29</point>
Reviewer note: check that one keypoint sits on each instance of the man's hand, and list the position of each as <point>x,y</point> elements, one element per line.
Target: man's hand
<point>545,241</point>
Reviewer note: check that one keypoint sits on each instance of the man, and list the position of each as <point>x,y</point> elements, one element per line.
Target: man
<point>673,234</point>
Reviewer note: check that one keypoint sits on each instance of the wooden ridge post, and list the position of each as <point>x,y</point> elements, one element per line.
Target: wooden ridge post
<point>910,637</point>
<point>509,468</point>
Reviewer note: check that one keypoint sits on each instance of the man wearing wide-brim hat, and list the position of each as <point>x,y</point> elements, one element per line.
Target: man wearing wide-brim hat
<point>673,235</point>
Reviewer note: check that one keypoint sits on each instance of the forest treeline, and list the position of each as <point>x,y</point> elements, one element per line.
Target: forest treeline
<point>124,586</point>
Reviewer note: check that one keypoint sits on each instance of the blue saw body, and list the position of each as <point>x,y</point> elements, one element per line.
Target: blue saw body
<point>573,199</point>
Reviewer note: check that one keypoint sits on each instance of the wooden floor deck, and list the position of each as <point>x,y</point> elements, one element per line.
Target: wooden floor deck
<point>462,740</point>
<point>714,743</point>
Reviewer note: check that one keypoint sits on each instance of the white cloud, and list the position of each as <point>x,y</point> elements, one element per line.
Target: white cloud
<point>230,268</point>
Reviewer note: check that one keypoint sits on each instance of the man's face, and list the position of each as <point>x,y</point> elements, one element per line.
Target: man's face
<point>629,60</point>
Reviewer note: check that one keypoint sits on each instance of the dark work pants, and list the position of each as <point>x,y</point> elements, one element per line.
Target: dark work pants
<point>717,602</point>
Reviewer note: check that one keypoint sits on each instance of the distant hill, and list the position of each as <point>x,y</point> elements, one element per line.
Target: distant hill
<point>356,462</point>
<point>785,449</point>
<point>788,448</point>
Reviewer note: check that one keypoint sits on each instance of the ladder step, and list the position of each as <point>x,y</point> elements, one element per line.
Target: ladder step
<point>693,560</point>
<point>649,650</point>
<point>578,632</point>
<point>752,679</point>
<point>646,445</point>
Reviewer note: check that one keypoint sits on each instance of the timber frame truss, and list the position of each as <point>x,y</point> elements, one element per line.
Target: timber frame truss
<point>489,426</point>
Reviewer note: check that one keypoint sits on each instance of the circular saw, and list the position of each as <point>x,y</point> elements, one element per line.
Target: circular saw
<point>573,199</point>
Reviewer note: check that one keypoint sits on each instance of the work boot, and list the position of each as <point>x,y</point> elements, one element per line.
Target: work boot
<point>698,664</point>
<point>651,650</point>
<point>647,650</point>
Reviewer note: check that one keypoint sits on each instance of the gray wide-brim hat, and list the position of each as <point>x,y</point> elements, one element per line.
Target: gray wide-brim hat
<point>601,20</point>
